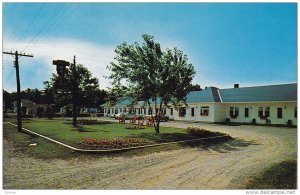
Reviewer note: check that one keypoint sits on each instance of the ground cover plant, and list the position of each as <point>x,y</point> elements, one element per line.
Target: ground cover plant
<point>57,129</point>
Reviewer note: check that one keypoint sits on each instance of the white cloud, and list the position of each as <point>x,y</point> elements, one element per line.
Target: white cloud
<point>93,56</point>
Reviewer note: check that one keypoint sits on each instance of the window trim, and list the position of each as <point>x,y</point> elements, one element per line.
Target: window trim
<point>280,117</point>
<point>202,109</point>
<point>248,112</point>
<point>235,111</point>
<point>264,116</point>
<point>179,112</point>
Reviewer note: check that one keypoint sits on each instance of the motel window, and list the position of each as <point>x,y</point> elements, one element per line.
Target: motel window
<point>263,111</point>
<point>139,111</point>
<point>144,110</point>
<point>279,112</point>
<point>165,111</point>
<point>112,111</point>
<point>246,112</point>
<point>192,111</point>
<point>267,111</point>
<point>204,111</point>
<point>116,111</point>
<point>171,111</point>
<point>124,109</point>
<point>233,112</point>
<point>295,112</point>
<point>182,112</point>
<point>120,110</point>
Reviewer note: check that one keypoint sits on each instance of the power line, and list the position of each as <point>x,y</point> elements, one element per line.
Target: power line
<point>46,28</point>
<point>34,19</point>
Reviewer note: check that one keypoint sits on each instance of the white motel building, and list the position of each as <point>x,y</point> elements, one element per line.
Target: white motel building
<point>274,104</point>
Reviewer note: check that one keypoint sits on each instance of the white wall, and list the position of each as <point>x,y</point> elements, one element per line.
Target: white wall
<point>197,110</point>
<point>288,112</point>
<point>218,112</point>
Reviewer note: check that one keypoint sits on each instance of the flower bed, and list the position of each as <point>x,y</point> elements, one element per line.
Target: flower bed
<point>115,143</point>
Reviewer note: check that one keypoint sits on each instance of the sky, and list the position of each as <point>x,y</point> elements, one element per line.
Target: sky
<point>247,43</point>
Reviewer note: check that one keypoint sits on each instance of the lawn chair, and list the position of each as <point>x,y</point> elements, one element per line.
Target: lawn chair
<point>150,122</point>
<point>141,122</point>
<point>122,119</point>
<point>133,121</point>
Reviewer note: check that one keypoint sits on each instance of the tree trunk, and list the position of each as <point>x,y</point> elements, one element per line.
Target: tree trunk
<point>158,122</point>
<point>157,127</point>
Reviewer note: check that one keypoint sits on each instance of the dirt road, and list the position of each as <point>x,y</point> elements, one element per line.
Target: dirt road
<point>222,166</point>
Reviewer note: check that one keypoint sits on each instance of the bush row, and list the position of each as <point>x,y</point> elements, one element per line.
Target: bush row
<point>199,132</point>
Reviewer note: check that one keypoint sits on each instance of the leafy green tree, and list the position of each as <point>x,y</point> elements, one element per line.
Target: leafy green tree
<point>32,95</point>
<point>146,73</point>
<point>78,87</point>
<point>196,87</point>
<point>7,100</point>
<point>48,93</point>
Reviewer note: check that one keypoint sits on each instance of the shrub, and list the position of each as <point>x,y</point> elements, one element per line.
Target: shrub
<point>227,121</point>
<point>289,123</point>
<point>39,112</point>
<point>50,111</point>
<point>198,132</point>
<point>24,110</point>
<point>83,115</point>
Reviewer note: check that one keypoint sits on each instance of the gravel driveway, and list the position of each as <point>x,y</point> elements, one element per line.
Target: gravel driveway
<point>221,166</point>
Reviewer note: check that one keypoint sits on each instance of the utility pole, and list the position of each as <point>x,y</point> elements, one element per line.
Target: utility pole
<point>16,54</point>
<point>74,93</point>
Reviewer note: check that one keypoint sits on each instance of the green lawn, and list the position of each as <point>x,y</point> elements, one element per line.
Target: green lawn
<point>60,130</point>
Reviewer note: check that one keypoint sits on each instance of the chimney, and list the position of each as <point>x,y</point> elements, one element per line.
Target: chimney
<point>236,85</point>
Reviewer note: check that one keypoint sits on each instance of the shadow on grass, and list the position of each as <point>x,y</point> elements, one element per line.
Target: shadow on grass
<point>280,176</point>
<point>87,122</point>
<point>87,129</point>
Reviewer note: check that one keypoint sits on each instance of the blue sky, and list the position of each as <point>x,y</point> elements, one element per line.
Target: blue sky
<point>248,43</point>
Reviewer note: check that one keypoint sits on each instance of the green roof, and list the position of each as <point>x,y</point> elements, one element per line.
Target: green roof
<point>209,94</point>
<point>269,93</point>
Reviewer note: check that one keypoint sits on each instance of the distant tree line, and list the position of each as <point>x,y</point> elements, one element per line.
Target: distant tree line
<point>48,96</point>
<point>56,96</point>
